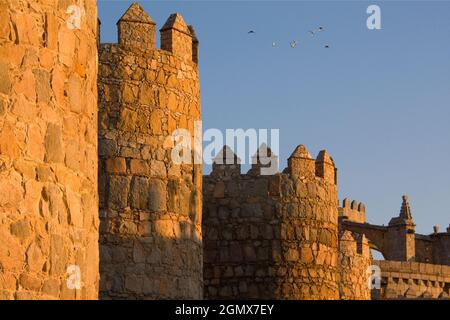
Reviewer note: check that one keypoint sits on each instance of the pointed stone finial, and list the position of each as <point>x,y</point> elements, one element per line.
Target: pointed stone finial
<point>405,211</point>
<point>405,217</point>
<point>195,44</point>
<point>301,164</point>
<point>136,29</point>
<point>354,205</point>
<point>176,37</point>
<point>436,228</point>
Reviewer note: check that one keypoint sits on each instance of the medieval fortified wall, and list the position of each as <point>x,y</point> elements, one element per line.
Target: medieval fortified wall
<point>89,184</point>
<point>416,266</point>
<point>271,236</point>
<point>150,207</point>
<point>48,150</point>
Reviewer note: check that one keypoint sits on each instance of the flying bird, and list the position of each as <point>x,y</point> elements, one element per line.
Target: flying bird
<point>327,46</point>
<point>293,44</point>
<point>274,44</point>
<point>317,30</point>
<point>251,31</point>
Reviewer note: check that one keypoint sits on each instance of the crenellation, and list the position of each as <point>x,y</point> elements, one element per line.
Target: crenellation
<point>226,164</point>
<point>361,207</point>
<point>352,211</point>
<point>325,166</point>
<point>136,29</point>
<point>177,38</point>
<point>89,182</point>
<point>262,160</point>
<point>413,280</point>
<point>301,164</point>
<point>150,205</point>
<point>273,226</point>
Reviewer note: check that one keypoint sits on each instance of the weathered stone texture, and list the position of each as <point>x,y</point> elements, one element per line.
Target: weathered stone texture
<point>271,237</point>
<point>48,150</point>
<point>150,207</point>
<point>354,261</point>
<point>412,280</point>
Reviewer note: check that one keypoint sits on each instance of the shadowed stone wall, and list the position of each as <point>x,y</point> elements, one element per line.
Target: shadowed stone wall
<point>48,150</point>
<point>271,236</point>
<point>354,261</point>
<point>150,207</point>
<point>412,280</point>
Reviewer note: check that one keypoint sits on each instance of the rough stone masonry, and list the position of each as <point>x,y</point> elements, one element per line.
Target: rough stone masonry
<point>150,206</point>
<point>138,227</point>
<point>271,236</point>
<point>48,150</point>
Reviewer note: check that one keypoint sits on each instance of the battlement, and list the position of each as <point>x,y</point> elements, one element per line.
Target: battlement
<point>137,32</point>
<point>274,225</point>
<point>150,206</point>
<point>413,280</point>
<point>352,211</point>
<point>94,185</point>
<point>301,165</point>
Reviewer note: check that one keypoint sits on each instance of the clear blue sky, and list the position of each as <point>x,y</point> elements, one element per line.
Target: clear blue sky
<point>378,101</point>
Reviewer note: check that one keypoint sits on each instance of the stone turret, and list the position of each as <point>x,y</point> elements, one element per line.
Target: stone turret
<point>177,38</point>
<point>301,164</point>
<point>401,235</point>
<point>150,205</point>
<point>325,167</point>
<point>271,236</point>
<point>136,29</point>
<point>48,151</point>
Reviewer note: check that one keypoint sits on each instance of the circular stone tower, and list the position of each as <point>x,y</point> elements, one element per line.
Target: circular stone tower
<point>309,228</point>
<point>48,150</point>
<point>150,205</point>
<point>271,236</point>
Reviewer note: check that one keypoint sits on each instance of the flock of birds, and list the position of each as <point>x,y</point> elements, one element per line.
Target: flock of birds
<point>294,43</point>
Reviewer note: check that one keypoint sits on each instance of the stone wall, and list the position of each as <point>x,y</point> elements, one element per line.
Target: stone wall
<point>354,261</point>
<point>412,280</point>
<point>271,236</point>
<point>48,150</point>
<point>150,206</point>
